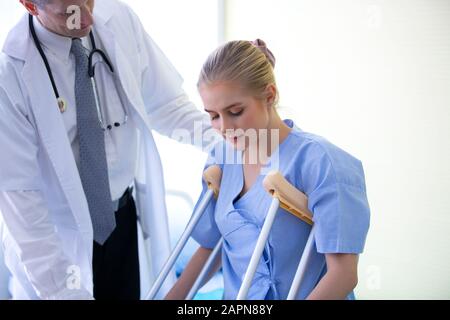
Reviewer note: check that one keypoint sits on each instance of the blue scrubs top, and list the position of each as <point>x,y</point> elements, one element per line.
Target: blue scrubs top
<point>333,181</point>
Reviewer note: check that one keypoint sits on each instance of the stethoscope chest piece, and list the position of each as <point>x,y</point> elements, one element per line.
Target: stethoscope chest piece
<point>62,104</point>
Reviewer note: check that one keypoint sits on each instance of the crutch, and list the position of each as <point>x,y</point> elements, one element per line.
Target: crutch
<point>291,199</point>
<point>205,270</point>
<point>212,177</point>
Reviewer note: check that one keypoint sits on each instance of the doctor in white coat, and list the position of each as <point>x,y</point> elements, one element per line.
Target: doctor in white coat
<point>45,223</point>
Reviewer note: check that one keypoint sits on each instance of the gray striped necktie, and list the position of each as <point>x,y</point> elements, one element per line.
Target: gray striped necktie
<point>93,166</point>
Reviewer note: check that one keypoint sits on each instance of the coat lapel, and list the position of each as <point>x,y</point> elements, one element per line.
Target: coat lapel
<point>50,125</point>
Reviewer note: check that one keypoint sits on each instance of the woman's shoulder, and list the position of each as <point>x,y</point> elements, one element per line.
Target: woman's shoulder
<point>318,158</point>
<point>316,145</point>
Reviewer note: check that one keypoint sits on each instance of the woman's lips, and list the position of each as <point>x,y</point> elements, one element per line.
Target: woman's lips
<point>234,139</point>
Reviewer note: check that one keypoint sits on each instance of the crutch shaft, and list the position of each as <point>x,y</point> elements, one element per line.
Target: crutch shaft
<point>180,244</point>
<point>205,270</point>
<point>304,261</point>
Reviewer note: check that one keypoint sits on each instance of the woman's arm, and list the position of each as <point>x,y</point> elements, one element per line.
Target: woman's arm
<point>184,284</point>
<point>339,281</point>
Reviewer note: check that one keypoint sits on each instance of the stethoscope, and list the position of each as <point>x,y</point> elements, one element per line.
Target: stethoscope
<point>62,104</point>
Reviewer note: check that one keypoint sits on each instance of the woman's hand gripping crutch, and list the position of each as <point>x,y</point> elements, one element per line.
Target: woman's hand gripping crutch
<point>212,176</point>
<point>294,201</point>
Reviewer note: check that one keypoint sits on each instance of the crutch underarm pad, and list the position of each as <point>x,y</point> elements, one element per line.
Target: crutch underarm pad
<point>212,177</point>
<point>291,199</point>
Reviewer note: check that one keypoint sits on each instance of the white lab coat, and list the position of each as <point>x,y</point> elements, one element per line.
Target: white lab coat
<point>40,154</point>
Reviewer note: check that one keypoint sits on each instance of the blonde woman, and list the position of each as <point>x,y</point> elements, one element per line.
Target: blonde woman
<point>238,89</point>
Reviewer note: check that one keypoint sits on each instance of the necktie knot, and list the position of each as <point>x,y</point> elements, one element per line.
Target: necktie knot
<point>77,49</point>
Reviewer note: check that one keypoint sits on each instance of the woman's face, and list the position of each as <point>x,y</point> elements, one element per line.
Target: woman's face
<point>235,113</point>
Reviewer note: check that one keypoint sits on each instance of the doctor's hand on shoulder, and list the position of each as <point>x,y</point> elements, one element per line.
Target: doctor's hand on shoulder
<point>78,155</point>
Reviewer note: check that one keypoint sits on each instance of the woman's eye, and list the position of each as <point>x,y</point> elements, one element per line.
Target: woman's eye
<point>214,117</point>
<point>236,114</point>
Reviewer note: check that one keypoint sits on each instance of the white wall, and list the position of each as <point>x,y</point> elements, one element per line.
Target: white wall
<point>10,12</point>
<point>373,77</point>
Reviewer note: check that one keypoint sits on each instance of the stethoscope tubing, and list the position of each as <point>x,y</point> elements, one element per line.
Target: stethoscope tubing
<point>91,69</point>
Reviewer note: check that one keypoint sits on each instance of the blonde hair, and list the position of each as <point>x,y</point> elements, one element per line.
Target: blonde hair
<point>251,65</point>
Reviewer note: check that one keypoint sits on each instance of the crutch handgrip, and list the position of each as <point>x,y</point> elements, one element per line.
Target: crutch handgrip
<point>291,199</point>
<point>212,177</point>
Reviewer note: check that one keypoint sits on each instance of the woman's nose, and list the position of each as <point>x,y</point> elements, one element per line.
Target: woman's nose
<point>225,125</point>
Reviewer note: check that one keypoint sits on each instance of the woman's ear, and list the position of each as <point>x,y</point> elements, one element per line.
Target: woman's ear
<point>30,6</point>
<point>271,95</point>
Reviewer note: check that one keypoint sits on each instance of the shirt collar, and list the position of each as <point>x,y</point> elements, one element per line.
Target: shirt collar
<point>58,45</point>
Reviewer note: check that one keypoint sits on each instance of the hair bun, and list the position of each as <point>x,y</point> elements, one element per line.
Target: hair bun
<point>261,45</point>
